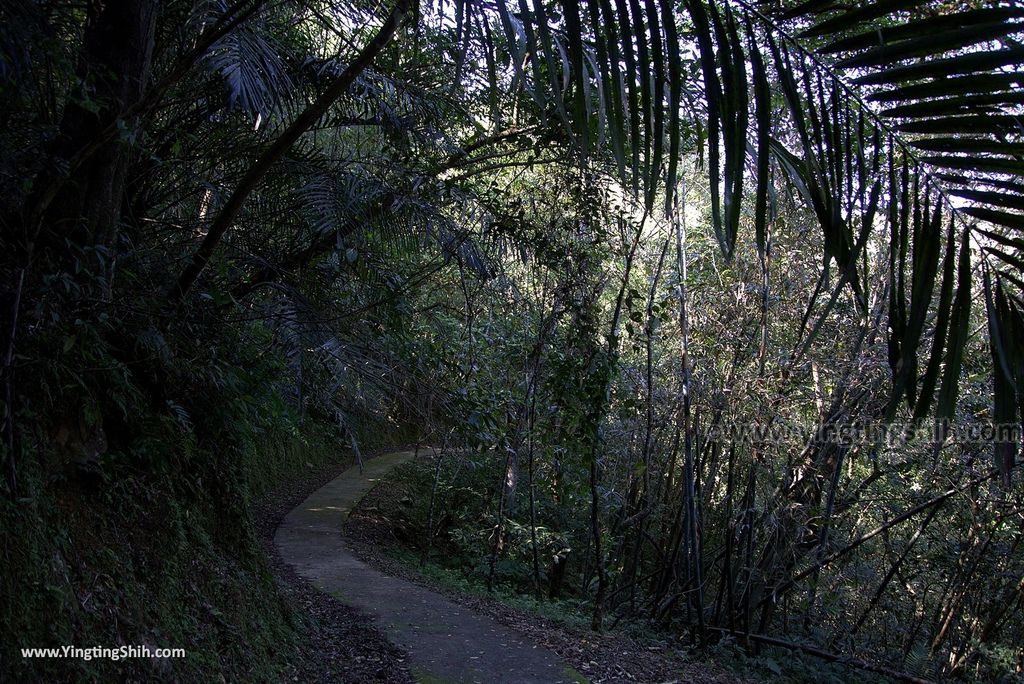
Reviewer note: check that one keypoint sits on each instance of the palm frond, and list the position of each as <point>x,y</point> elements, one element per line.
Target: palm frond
<point>250,62</point>
<point>899,119</point>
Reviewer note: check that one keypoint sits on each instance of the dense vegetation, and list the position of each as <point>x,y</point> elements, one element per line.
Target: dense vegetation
<point>665,270</point>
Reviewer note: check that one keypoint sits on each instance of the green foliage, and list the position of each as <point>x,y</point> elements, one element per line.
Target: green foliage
<point>134,524</point>
<point>243,236</point>
<point>135,537</point>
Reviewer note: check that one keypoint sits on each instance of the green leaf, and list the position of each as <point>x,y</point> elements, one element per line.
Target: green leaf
<point>969,145</point>
<point>611,79</point>
<point>713,90</point>
<point>943,311</point>
<point>580,78</point>
<point>944,87</point>
<point>977,124</point>
<point>958,332</point>
<point>735,116</point>
<point>852,17</point>
<point>675,72</point>
<point>990,182</point>
<point>632,76</point>
<point>645,113</point>
<point>1006,358</point>
<point>975,163</point>
<point>926,248</point>
<point>898,215</point>
<point>762,113</point>
<point>961,104</point>
<point>995,216</point>
<point>929,45</point>
<point>657,86</point>
<point>949,66</point>
<point>809,7</point>
<point>1002,199</point>
<point>795,170</point>
<point>533,49</point>
<point>921,28</point>
<point>1005,240</point>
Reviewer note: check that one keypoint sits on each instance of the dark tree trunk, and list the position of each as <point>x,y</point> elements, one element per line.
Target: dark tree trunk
<point>556,576</point>
<point>113,68</point>
<point>75,204</point>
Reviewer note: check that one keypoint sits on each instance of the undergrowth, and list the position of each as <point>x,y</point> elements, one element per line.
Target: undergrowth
<point>127,558</point>
<point>138,473</point>
<point>463,569</point>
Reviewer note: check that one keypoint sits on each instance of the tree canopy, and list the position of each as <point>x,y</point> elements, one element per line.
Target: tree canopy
<point>656,254</point>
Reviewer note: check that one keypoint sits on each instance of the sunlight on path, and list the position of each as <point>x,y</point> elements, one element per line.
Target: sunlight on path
<point>445,642</point>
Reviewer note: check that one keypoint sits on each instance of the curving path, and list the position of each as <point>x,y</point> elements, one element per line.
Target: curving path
<point>445,642</point>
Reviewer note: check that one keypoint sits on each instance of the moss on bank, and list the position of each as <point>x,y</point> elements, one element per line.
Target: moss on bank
<point>108,555</point>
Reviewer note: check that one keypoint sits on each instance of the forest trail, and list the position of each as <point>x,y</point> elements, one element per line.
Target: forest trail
<point>445,642</point>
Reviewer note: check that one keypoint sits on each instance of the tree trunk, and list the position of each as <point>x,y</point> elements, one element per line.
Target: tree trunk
<point>113,67</point>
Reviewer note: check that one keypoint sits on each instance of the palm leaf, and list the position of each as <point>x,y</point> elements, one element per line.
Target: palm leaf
<point>931,374</point>
<point>1002,199</point>
<point>960,314</point>
<point>252,65</point>
<point>926,46</point>
<point>978,63</point>
<point>922,28</point>
<point>976,83</point>
<point>1007,380</point>
<point>954,128</point>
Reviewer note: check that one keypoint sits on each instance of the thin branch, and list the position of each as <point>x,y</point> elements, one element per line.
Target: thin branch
<point>306,120</point>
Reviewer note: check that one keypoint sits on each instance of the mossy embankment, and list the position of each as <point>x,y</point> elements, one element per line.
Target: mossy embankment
<point>154,545</point>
